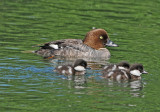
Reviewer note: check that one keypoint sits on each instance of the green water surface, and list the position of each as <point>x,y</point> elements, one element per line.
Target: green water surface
<point>28,82</point>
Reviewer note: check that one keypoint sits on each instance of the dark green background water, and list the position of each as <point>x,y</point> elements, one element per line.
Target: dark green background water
<point>27,82</point>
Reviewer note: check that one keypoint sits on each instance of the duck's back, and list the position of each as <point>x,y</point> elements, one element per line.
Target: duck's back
<point>117,75</point>
<point>64,70</point>
<point>70,48</point>
<point>55,48</point>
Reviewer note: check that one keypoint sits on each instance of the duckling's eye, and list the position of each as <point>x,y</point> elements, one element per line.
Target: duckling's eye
<point>101,37</point>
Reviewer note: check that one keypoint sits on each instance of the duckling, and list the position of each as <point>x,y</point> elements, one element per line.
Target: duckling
<point>122,66</point>
<point>78,68</point>
<point>133,73</point>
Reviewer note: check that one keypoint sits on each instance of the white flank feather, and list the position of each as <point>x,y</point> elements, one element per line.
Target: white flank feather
<point>125,74</point>
<point>59,67</point>
<point>105,67</point>
<point>114,67</point>
<point>54,46</point>
<point>122,68</point>
<point>110,73</point>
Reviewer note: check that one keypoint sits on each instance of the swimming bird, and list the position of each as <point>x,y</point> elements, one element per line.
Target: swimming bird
<point>133,73</point>
<point>92,46</point>
<point>78,68</point>
<point>111,67</point>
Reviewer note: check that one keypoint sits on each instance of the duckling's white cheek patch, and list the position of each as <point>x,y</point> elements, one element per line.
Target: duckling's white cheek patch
<point>136,72</point>
<point>54,46</point>
<point>79,68</point>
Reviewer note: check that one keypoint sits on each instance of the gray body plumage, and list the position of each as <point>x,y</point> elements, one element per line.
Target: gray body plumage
<point>71,48</point>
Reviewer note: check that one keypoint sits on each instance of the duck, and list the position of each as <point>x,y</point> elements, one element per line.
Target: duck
<point>92,46</point>
<point>77,69</point>
<point>133,73</point>
<point>124,65</point>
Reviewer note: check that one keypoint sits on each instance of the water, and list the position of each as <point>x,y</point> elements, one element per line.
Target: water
<point>27,81</point>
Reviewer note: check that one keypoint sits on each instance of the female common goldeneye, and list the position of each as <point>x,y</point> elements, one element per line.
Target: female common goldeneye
<point>92,46</point>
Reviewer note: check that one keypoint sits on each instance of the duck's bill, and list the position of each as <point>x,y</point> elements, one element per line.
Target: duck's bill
<point>111,44</point>
<point>144,72</point>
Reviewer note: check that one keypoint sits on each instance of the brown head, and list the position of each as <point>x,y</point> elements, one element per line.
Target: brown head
<point>97,38</point>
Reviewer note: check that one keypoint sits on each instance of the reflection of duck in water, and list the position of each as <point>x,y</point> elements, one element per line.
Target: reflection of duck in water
<point>76,72</point>
<point>93,63</point>
<point>133,73</point>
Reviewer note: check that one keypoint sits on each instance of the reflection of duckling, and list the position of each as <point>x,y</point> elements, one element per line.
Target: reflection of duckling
<point>79,68</point>
<point>76,72</point>
<point>80,81</point>
<point>134,73</point>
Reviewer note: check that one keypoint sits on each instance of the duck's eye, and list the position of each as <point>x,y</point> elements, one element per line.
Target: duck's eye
<point>101,37</point>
